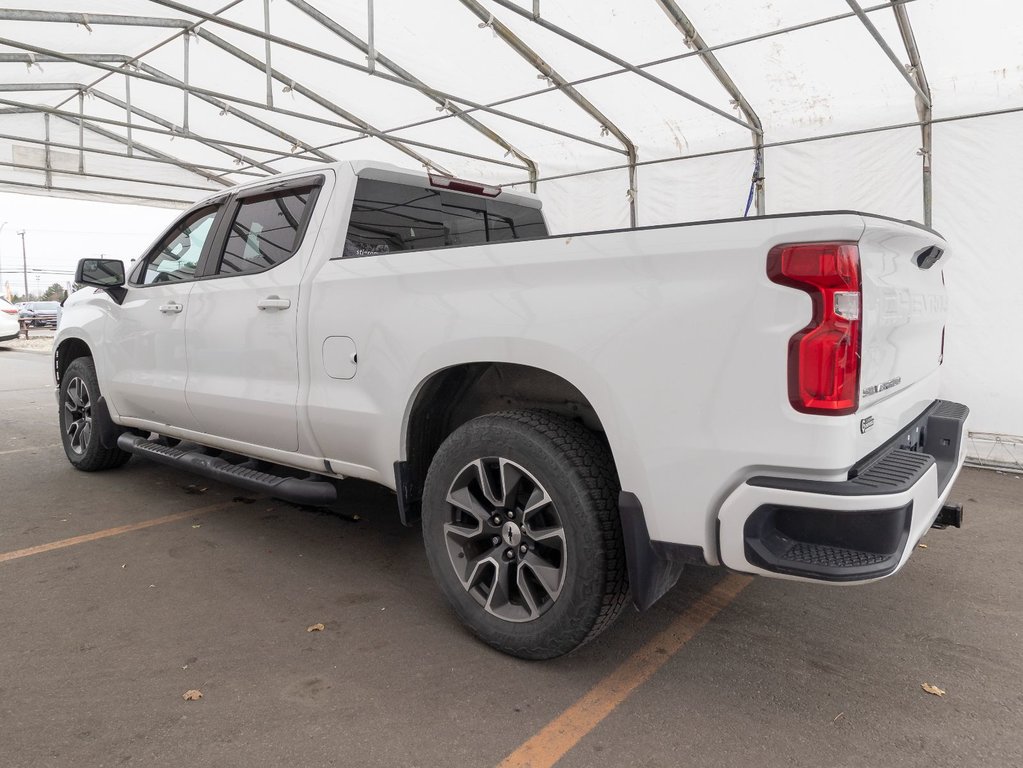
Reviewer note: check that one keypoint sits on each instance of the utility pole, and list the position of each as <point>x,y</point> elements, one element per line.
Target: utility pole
<point>24,262</point>
<point>2,294</point>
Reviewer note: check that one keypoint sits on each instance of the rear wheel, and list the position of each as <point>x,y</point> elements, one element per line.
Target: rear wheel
<point>520,521</point>
<point>79,431</point>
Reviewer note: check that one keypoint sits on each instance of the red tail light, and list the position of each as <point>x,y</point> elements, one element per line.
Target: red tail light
<point>11,311</point>
<point>824,357</point>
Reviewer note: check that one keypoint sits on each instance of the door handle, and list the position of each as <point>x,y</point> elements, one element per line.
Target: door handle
<point>172,308</point>
<point>273,302</point>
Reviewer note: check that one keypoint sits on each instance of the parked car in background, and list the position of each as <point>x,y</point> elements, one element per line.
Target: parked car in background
<point>40,313</point>
<point>9,325</point>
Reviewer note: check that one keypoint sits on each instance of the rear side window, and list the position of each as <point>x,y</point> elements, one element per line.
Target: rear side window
<point>267,230</point>
<point>389,217</point>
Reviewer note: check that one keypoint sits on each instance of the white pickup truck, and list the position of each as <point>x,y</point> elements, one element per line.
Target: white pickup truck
<point>569,416</point>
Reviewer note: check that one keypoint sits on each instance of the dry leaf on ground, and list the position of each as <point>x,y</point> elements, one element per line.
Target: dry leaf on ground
<point>922,546</point>
<point>932,689</point>
<point>192,695</point>
<point>315,628</point>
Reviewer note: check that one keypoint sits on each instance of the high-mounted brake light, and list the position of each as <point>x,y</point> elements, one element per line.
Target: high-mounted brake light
<point>824,357</point>
<point>461,185</point>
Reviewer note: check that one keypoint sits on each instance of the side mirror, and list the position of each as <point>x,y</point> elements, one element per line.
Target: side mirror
<point>100,273</point>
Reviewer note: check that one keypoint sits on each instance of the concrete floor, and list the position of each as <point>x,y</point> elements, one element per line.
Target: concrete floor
<point>99,640</point>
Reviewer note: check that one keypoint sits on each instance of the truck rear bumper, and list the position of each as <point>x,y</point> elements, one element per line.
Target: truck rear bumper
<point>857,530</point>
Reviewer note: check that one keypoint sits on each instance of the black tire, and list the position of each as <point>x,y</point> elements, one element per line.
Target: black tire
<point>79,392</point>
<point>541,456</point>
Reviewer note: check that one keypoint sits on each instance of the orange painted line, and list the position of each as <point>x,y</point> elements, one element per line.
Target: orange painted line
<point>108,532</point>
<point>564,732</point>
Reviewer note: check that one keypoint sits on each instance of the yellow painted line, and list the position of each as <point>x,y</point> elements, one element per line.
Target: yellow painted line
<point>564,732</point>
<point>108,532</point>
<point>33,448</point>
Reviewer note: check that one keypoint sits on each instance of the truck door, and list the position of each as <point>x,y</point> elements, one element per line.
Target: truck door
<point>146,360</point>
<point>243,319</point>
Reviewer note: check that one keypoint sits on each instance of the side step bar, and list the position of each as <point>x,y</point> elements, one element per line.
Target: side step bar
<point>293,489</point>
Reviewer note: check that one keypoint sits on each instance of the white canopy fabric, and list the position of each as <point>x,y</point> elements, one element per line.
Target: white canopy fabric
<point>161,101</point>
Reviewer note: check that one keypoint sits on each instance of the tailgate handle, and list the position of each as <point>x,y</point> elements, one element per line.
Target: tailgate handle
<point>927,257</point>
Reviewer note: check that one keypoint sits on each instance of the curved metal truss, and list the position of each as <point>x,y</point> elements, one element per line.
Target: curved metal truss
<point>126,133</point>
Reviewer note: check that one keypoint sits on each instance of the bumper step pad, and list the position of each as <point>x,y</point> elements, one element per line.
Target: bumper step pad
<point>864,542</point>
<point>831,557</point>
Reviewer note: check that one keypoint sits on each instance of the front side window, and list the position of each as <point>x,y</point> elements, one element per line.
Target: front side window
<point>390,217</point>
<point>177,256</point>
<point>266,231</point>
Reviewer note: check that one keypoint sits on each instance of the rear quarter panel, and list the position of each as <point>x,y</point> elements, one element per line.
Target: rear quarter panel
<point>675,335</point>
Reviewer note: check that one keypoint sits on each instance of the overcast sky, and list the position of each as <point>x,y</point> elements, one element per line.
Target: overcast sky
<point>59,232</point>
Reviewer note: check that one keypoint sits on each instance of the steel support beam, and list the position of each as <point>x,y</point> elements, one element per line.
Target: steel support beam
<point>198,170</point>
<point>184,70</point>
<point>81,131</point>
<point>127,110</point>
<point>169,129</point>
<point>47,161</point>
<point>119,58</point>
<point>96,193</point>
<point>545,69</point>
<point>142,75</point>
<point>587,45</point>
<point>88,20</point>
<point>374,55</point>
<point>240,114</point>
<point>266,47</point>
<point>879,39</point>
<point>165,160</point>
<point>924,107</point>
<point>324,56</point>
<point>316,98</point>
<point>107,176</point>
<point>654,63</point>
<point>173,130</point>
<point>695,42</point>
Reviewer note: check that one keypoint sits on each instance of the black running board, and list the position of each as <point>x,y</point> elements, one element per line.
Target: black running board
<point>294,489</point>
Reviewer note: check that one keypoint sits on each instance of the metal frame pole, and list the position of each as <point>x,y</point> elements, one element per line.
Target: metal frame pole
<point>47,159</point>
<point>367,130</point>
<point>148,150</point>
<point>879,39</point>
<point>81,132</point>
<point>127,110</point>
<point>24,262</point>
<point>184,74</point>
<point>374,56</point>
<point>587,45</point>
<point>327,104</point>
<point>695,42</point>
<point>266,45</point>
<point>96,193</point>
<point>545,69</point>
<point>324,56</point>
<point>924,107</point>
<point>21,107</point>
<point>163,160</point>
<point>371,51</point>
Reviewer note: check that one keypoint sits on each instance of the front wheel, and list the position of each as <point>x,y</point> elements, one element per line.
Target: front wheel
<point>79,393</point>
<point>520,522</point>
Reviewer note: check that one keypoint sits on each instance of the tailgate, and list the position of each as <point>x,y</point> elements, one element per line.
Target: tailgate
<point>904,307</point>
